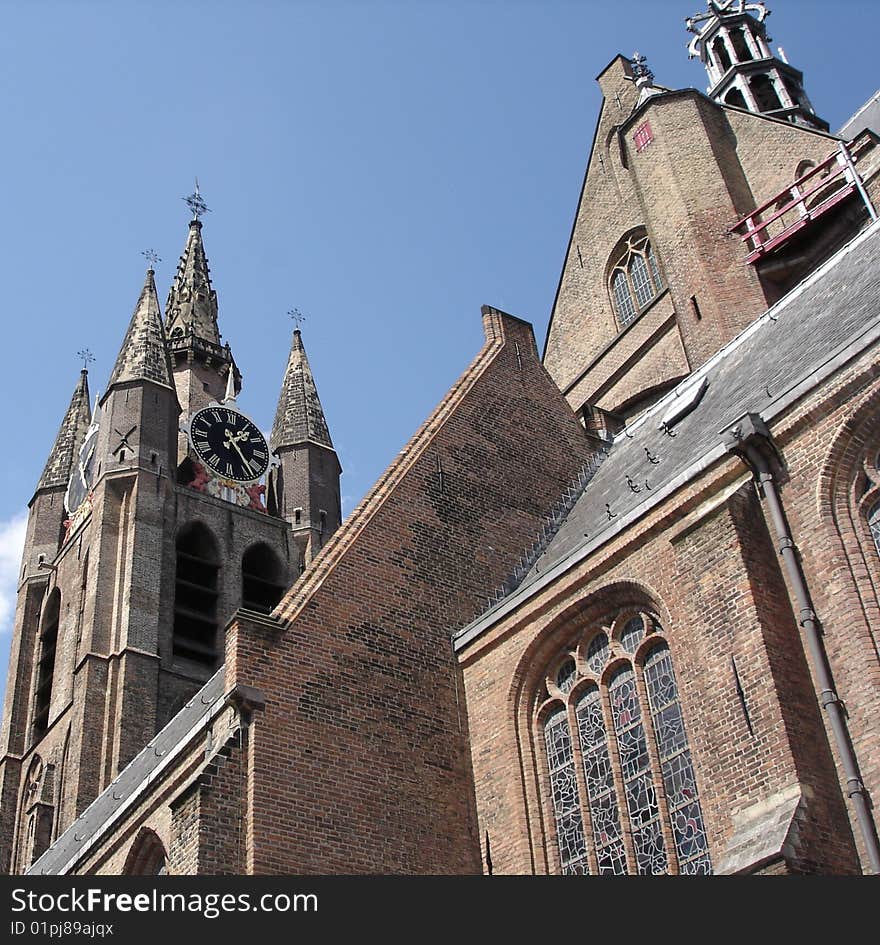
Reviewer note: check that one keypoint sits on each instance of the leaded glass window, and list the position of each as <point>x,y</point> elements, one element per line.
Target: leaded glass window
<point>635,279</point>
<point>564,789</point>
<point>874,525</point>
<point>617,753</point>
<point>679,780</point>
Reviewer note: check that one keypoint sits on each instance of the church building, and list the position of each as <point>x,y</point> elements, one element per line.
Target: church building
<point>614,608</point>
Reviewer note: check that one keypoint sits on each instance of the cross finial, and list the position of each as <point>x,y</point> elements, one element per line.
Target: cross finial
<point>152,257</point>
<point>297,316</point>
<point>196,203</point>
<point>87,357</point>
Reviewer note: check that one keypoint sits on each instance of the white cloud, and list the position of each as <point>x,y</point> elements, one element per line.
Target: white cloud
<point>12,533</point>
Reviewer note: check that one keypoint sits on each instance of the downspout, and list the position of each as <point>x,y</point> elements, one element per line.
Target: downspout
<point>750,439</point>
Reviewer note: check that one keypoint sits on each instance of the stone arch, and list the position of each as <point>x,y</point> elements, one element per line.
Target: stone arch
<point>196,593</point>
<point>147,856</point>
<point>262,578</point>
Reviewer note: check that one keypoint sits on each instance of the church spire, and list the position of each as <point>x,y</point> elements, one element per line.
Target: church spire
<point>70,435</point>
<point>192,302</point>
<point>144,355</point>
<point>299,417</point>
<point>731,40</point>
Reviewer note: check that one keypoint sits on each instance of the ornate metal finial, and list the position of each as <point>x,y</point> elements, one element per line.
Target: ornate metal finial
<point>297,317</point>
<point>195,203</point>
<point>86,357</point>
<point>152,257</point>
<point>640,68</point>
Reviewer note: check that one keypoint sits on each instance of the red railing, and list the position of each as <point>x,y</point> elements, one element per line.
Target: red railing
<point>821,188</point>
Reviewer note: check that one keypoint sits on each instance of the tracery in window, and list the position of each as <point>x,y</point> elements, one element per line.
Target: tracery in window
<point>635,279</point>
<point>621,778</point>
<point>874,525</point>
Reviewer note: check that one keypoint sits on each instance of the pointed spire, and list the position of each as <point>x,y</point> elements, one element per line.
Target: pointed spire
<point>70,435</point>
<point>229,396</point>
<point>192,302</point>
<point>299,417</point>
<point>144,354</point>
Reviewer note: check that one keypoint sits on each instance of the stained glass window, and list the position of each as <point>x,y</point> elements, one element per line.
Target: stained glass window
<point>679,780</point>
<point>632,634</point>
<point>617,731</point>
<point>566,676</point>
<point>597,652</point>
<point>635,279</point>
<point>874,525</point>
<point>563,787</point>
<point>599,778</point>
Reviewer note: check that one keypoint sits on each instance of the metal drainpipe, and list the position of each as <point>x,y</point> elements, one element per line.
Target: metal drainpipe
<point>750,439</point>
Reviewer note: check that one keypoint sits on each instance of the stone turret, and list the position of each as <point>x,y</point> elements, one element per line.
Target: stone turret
<point>304,490</point>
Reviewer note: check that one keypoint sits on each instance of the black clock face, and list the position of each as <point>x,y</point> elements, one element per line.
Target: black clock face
<point>229,444</point>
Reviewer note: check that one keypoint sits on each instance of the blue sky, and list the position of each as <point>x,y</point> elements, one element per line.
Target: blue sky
<point>386,167</point>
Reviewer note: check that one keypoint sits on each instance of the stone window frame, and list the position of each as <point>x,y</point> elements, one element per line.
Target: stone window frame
<point>634,279</point>
<point>552,704</point>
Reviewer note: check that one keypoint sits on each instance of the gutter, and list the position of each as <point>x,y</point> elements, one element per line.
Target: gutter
<point>750,439</point>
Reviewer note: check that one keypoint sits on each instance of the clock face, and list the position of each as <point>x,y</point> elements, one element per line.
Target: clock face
<point>229,444</point>
<point>83,472</point>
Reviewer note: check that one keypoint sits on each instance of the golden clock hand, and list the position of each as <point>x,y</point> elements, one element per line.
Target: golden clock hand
<point>232,440</point>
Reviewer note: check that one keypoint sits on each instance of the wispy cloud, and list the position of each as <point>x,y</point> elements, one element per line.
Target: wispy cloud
<point>11,544</point>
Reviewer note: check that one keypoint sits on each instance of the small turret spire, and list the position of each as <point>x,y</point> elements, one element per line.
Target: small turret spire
<point>191,308</point>
<point>144,354</point>
<point>70,435</point>
<point>299,417</point>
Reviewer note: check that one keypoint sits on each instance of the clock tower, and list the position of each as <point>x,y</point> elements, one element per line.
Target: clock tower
<point>148,530</point>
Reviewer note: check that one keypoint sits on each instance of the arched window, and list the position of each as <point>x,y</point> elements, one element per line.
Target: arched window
<point>195,595</point>
<point>262,584</point>
<point>147,856</point>
<point>766,97</point>
<point>722,56</point>
<point>736,98</point>
<point>46,664</point>
<point>635,279</point>
<point>740,45</point>
<point>621,781</point>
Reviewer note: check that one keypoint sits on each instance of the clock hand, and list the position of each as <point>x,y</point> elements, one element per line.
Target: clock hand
<point>232,440</point>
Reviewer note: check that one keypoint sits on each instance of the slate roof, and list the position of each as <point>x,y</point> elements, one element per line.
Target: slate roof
<point>788,350</point>
<point>143,768</point>
<point>144,354</point>
<point>192,302</point>
<point>70,436</point>
<point>299,416</point>
<point>868,116</point>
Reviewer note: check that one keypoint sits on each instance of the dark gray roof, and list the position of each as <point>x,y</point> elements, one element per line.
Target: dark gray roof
<point>192,301</point>
<point>299,417</point>
<point>144,354</point>
<point>868,116</point>
<point>70,436</point>
<point>141,770</point>
<point>780,356</point>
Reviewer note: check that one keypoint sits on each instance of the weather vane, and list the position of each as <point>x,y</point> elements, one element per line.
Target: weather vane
<point>195,203</point>
<point>87,357</point>
<point>640,67</point>
<point>297,316</point>
<point>152,257</point>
